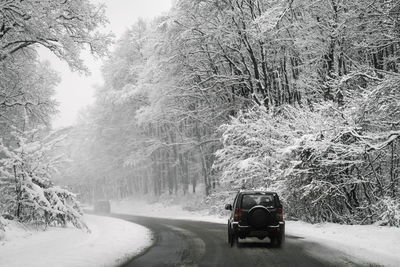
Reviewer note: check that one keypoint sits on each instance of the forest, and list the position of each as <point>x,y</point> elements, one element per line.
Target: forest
<point>300,97</point>
<point>28,161</point>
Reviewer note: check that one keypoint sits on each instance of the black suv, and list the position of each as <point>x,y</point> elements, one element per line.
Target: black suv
<point>256,214</point>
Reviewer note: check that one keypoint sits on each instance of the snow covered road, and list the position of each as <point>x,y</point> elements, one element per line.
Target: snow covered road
<point>110,243</point>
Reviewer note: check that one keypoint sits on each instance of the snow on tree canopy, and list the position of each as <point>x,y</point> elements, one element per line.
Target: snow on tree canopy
<point>320,161</point>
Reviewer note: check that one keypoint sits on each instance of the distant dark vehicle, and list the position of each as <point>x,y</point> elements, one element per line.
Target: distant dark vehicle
<point>102,206</point>
<point>256,214</point>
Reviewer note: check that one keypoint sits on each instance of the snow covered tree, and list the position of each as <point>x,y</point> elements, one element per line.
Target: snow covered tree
<point>311,86</point>
<point>27,191</point>
<point>328,164</point>
<point>63,27</point>
<point>26,91</point>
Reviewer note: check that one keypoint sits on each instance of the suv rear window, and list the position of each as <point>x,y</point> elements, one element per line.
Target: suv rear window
<point>249,201</point>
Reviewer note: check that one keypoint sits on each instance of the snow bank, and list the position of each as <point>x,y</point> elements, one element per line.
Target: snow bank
<point>365,243</point>
<point>111,242</point>
<point>159,210</point>
<point>369,243</point>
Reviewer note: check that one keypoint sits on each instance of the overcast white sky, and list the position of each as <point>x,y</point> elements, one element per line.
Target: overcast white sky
<point>76,90</point>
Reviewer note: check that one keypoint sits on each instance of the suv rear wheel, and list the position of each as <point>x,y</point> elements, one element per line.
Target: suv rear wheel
<point>232,238</point>
<point>277,240</point>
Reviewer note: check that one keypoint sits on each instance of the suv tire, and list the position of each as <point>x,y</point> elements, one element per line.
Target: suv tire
<point>259,217</point>
<point>277,240</point>
<point>232,238</point>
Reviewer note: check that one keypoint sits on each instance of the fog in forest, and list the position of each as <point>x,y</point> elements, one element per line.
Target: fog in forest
<point>191,101</point>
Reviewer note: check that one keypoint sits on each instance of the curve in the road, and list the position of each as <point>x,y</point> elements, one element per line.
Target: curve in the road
<point>193,243</point>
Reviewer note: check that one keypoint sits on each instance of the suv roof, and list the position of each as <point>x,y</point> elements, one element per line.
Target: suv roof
<point>256,192</point>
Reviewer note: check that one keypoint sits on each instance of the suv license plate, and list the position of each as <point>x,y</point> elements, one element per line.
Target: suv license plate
<point>256,233</point>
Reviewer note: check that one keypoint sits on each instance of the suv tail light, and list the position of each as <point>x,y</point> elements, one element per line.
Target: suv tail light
<point>237,215</point>
<point>279,215</point>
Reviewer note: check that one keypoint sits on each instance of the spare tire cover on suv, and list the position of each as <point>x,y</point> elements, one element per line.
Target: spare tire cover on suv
<point>259,217</point>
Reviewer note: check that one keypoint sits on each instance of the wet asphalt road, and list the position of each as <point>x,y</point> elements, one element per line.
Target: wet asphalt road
<point>193,243</point>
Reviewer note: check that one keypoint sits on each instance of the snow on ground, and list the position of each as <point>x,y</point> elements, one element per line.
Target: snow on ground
<point>366,243</point>
<point>160,210</point>
<point>111,242</point>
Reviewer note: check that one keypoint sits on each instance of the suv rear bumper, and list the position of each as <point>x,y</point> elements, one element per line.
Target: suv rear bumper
<point>243,231</point>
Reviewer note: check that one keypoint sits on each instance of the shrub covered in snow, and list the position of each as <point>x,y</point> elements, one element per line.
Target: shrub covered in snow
<point>217,200</point>
<point>26,189</point>
<point>329,163</point>
<point>388,212</point>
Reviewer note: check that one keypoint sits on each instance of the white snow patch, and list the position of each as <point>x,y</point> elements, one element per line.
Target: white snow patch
<point>364,243</point>
<point>368,243</point>
<point>159,210</point>
<point>246,163</point>
<point>110,243</point>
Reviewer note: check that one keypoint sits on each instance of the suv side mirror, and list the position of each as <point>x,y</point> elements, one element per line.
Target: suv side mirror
<point>228,207</point>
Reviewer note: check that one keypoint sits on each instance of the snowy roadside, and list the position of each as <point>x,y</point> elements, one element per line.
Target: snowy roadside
<point>365,243</point>
<point>159,210</point>
<point>110,243</point>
